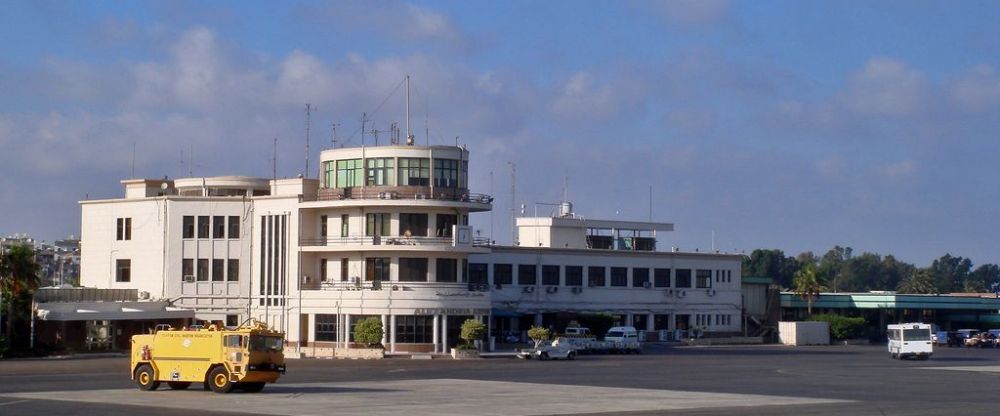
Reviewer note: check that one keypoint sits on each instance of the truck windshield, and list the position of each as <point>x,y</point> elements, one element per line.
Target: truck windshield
<point>916,334</point>
<point>258,343</point>
<point>615,334</point>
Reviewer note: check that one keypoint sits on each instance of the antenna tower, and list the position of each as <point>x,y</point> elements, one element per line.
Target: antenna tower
<point>333,134</point>
<point>513,202</point>
<point>308,116</point>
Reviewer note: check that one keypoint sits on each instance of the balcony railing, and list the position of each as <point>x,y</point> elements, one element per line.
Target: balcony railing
<point>388,241</point>
<point>401,193</point>
<point>357,284</point>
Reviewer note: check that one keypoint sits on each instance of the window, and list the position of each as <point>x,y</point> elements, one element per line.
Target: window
<point>465,270</point>
<point>322,270</point>
<point>415,329</point>
<point>233,270</point>
<point>412,269</point>
<point>218,270</point>
<point>377,224</point>
<point>124,229</point>
<point>202,274</point>
<point>123,270</point>
<point>234,226</point>
<point>218,227</point>
<point>187,269</point>
<point>574,275</point>
<point>202,226</point>
<point>413,225</point>
<point>703,278</point>
<point>661,277</point>
<point>188,229</point>
<point>349,173</point>
<point>446,173</point>
<point>503,274</point>
<point>550,275</point>
<point>683,277</point>
<point>345,225</point>
<point>640,276</point>
<point>323,219</point>
<point>445,223</point>
<point>595,275</point>
<point>377,268</point>
<point>447,270</point>
<point>380,171</point>
<point>414,172</point>
<point>326,327</point>
<point>328,172</point>
<point>526,274</point>
<point>478,273</point>
<point>619,276</point>
<point>344,263</point>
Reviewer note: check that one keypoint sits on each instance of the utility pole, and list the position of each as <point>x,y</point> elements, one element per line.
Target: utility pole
<point>513,202</point>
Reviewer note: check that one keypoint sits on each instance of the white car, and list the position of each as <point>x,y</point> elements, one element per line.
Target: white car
<point>555,350</point>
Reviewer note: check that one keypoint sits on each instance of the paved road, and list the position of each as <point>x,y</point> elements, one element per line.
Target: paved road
<point>764,380</point>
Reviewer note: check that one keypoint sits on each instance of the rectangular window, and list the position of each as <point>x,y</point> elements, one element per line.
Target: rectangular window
<point>128,228</point>
<point>344,269</point>
<point>203,226</point>
<point>465,270</point>
<point>124,229</point>
<point>329,168</point>
<point>619,276</point>
<point>527,274</point>
<point>123,270</point>
<point>478,273</point>
<point>414,172</point>
<point>233,270</point>
<point>234,226</point>
<point>683,277</point>
<point>550,275</point>
<point>446,173</point>
<point>703,278</point>
<point>188,229</point>
<point>349,173</point>
<point>595,276</point>
<point>380,172</point>
<point>323,221</point>
<point>413,225</point>
<point>412,269</point>
<point>218,270</point>
<point>574,275</point>
<point>640,277</point>
<point>417,329</point>
<point>503,274</point>
<point>345,225</point>
<point>326,327</point>
<point>661,277</point>
<point>447,270</point>
<point>187,270</point>
<point>322,270</point>
<point>445,223</point>
<point>377,224</point>
<point>377,268</point>
<point>202,275</point>
<point>218,227</point>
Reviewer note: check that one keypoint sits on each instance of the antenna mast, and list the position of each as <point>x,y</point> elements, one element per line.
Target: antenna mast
<point>274,160</point>
<point>333,140</point>
<point>513,202</point>
<point>409,136</point>
<point>133,162</point>
<point>308,115</point>
<point>364,122</point>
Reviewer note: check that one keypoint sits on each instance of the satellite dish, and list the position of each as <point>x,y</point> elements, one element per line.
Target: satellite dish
<point>164,186</point>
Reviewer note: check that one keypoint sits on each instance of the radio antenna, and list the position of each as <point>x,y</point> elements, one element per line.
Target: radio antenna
<point>308,116</point>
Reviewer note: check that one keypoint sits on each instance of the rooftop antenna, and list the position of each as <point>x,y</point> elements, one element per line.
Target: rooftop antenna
<point>274,160</point>
<point>650,203</point>
<point>364,122</point>
<point>427,131</point>
<point>333,134</point>
<point>133,160</point>
<point>394,133</point>
<point>513,202</point>
<point>456,141</point>
<point>409,135</point>
<point>565,197</point>
<point>308,116</point>
<point>191,161</point>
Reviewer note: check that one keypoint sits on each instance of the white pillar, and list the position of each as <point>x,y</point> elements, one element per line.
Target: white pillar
<point>437,334</point>
<point>392,333</point>
<point>538,319</point>
<point>628,320</point>
<point>444,334</point>
<point>385,330</point>
<point>650,323</point>
<point>347,330</point>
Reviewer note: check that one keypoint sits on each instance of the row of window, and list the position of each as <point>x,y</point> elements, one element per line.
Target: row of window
<point>215,225</point>
<point>379,223</point>
<point>216,270</point>
<point>597,276</point>
<point>705,320</point>
<point>124,229</point>
<point>348,173</point>
<point>412,329</point>
<point>413,269</point>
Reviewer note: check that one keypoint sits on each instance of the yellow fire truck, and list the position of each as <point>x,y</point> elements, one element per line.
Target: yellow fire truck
<point>246,358</point>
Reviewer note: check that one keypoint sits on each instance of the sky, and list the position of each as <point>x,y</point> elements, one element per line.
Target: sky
<point>766,124</point>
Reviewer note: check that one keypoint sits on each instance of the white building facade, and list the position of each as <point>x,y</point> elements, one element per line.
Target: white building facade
<point>384,232</point>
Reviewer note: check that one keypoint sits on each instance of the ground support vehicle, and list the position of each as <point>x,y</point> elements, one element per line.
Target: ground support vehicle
<point>246,357</point>
<point>559,349</point>
<point>619,340</point>
<point>910,340</point>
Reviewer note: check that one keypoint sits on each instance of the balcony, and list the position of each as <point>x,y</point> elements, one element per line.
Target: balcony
<point>402,193</point>
<point>395,243</point>
<point>377,285</point>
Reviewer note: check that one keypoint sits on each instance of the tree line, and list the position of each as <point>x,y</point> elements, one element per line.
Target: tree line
<point>840,270</point>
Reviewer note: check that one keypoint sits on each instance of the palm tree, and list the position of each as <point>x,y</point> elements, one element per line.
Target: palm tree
<point>18,275</point>
<point>921,281</point>
<point>807,285</point>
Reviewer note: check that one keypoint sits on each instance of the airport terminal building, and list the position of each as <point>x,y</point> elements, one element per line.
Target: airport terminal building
<point>384,232</point>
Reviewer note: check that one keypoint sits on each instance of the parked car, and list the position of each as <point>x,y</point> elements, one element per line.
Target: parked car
<point>960,338</point>
<point>941,338</point>
<point>559,349</point>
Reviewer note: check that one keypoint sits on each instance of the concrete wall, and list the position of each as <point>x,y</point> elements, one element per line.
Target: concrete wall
<point>804,333</point>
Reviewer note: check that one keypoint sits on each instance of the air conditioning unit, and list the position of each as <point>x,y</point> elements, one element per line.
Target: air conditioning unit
<point>143,295</point>
<point>552,289</point>
<point>668,292</point>
<point>420,196</point>
<point>710,292</point>
<point>383,195</point>
<point>528,289</point>
<point>356,280</point>
<point>395,287</point>
<point>681,293</point>
<point>497,286</point>
<point>189,278</point>
<point>306,279</point>
<point>647,284</point>
<point>577,289</point>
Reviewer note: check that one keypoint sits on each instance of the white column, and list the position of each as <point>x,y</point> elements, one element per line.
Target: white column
<point>650,323</point>
<point>392,333</point>
<point>347,330</point>
<point>444,334</point>
<point>437,335</point>
<point>628,320</point>
<point>385,330</point>
<point>538,319</point>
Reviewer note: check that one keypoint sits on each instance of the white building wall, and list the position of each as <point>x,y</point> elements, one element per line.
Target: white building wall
<point>100,248</point>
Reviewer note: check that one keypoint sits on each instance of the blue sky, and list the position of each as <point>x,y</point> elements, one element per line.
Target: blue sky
<point>775,124</point>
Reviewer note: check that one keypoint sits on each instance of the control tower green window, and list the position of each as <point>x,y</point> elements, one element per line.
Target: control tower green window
<point>380,171</point>
<point>414,172</point>
<point>446,173</point>
<point>349,173</point>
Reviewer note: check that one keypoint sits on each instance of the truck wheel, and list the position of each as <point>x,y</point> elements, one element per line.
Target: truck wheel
<point>218,380</point>
<point>572,355</point>
<point>543,356</point>
<point>252,387</point>
<point>146,378</point>
<point>179,385</point>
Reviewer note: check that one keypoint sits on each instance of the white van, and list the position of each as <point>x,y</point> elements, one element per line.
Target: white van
<point>623,339</point>
<point>910,340</point>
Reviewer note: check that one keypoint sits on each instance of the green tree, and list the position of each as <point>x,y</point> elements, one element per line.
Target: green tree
<point>472,330</point>
<point>808,286</point>
<point>18,278</point>
<point>771,263</point>
<point>842,327</point>
<point>831,263</point>
<point>369,332</point>
<point>539,335</point>
<point>921,281</point>
<point>950,273</point>
<point>983,278</point>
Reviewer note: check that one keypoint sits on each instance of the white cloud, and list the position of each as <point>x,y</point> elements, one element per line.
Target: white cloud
<point>886,87</point>
<point>396,20</point>
<point>977,89</point>
<point>582,97</point>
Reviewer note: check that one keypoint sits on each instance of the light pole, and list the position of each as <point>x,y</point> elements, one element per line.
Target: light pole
<point>111,267</point>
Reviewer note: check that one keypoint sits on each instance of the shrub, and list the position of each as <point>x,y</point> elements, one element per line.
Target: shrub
<point>538,334</point>
<point>472,330</point>
<point>369,332</point>
<point>842,327</point>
